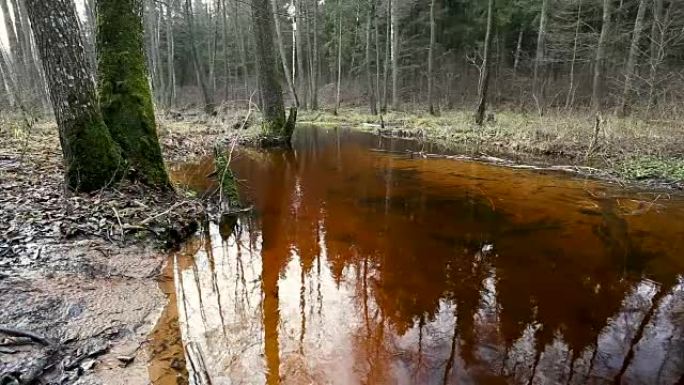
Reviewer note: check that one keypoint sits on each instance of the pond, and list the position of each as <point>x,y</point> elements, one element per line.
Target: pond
<point>363,264</point>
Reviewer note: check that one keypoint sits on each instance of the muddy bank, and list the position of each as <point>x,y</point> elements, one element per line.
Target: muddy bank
<point>78,272</point>
<point>95,301</point>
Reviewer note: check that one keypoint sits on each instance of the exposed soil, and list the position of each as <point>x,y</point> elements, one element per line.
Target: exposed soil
<point>78,272</point>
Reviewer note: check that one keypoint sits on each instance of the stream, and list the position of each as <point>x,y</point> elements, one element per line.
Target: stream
<point>362,264</point>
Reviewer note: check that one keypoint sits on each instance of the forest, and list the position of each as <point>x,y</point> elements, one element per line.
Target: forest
<point>341,192</point>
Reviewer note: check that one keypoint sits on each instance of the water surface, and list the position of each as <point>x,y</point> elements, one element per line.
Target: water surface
<point>364,265</point>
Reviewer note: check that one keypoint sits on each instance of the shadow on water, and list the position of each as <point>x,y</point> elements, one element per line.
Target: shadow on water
<point>367,267</point>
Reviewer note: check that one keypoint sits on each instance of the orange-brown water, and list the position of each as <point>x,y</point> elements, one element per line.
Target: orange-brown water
<point>365,267</point>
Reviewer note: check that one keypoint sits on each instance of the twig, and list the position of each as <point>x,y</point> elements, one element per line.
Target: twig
<point>150,219</point>
<point>118,219</point>
<point>22,333</point>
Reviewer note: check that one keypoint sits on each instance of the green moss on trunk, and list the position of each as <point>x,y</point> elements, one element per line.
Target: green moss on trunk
<point>226,178</point>
<point>92,159</point>
<point>125,96</point>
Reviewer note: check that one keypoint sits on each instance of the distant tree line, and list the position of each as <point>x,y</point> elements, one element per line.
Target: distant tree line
<point>624,56</point>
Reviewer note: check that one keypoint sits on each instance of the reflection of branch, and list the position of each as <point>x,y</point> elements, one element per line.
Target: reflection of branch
<point>639,334</point>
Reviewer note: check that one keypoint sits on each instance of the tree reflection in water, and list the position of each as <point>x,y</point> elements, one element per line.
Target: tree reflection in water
<point>362,267</point>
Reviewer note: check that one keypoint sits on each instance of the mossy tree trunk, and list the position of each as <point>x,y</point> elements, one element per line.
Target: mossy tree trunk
<point>91,156</point>
<point>276,127</point>
<point>125,96</point>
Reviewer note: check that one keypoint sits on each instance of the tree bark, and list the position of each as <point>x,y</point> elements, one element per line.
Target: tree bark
<point>369,77</point>
<point>339,57</point>
<point>431,58</point>
<point>170,56</point>
<point>376,24</point>
<point>571,88</point>
<point>91,157</point>
<point>273,108</point>
<point>632,58</point>
<point>194,52</point>
<point>316,66</point>
<point>388,48</point>
<point>597,87</point>
<point>394,19</point>
<point>16,52</point>
<point>299,46</point>
<point>484,79</point>
<point>227,84</point>
<point>657,51</point>
<point>539,59</point>
<point>283,54</point>
<point>124,90</point>
<point>518,50</point>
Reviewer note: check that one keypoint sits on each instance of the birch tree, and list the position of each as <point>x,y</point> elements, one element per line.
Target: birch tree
<point>91,157</point>
<point>599,63</point>
<point>484,77</point>
<point>431,58</point>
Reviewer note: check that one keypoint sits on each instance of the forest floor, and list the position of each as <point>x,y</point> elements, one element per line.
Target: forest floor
<point>78,272</point>
<point>625,150</point>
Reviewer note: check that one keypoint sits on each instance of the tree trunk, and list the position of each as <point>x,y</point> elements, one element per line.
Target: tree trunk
<point>91,157</point>
<point>597,87</point>
<point>539,60</point>
<point>431,58</point>
<point>170,55</point>
<point>339,57</point>
<point>484,79</point>
<point>632,58</point>
<point>376,23</point>
<point>273,108</point>
<point>518,50</point>
<point>657,51</point>
<point>227,84</point>
<point>194,52</point>
<point>388,48</point>
<point>283,54</point>
<point>369,76</point>
<point>394,18</point>
<point>571,88</point>
<point>241,47</point>
<point>124,90</point>
<point>16,52</point>
<point>299,46</point>
<point>316,69</point>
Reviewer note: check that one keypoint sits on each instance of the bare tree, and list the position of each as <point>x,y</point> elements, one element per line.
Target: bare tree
<point>539,60</point>
<point>394,28</point>
<point>339,56</point>
<point>207,96</point>
<point>283,55</point>
<point>484,74</point>
<point>91,157</point>
<point>315,64</point>
<point>299,46</point>
<point>170,55</point>
<point>597,87</point>
<point>431,58</point>
<point>571,88</point>
<point>633,53</point>
<point>369,77</point>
